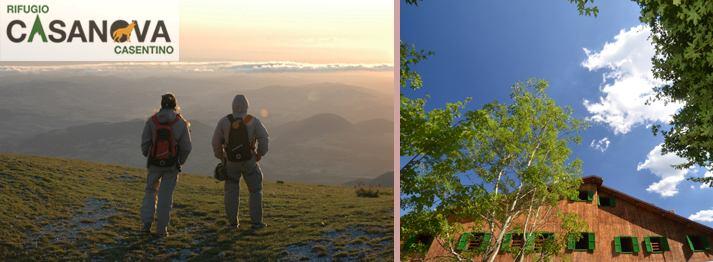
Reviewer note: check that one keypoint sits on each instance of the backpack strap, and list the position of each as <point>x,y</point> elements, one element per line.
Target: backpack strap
<point>154,119</point>
<point>246,120</point>
<point>178,117</point>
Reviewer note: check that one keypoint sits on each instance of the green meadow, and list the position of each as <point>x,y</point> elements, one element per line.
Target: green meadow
<point>59,209</point>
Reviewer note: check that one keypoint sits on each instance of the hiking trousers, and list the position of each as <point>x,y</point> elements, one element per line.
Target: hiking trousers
<point>160,183</point>
<point>250,171</point>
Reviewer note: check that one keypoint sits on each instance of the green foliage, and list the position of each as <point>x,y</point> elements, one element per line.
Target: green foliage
<point>703,180</point>
<point>492,165</point>
<point>410,56</point>
<point>413,2</point>
<point>41,199</point>
<point>682,35</point>
<point>585,7</point>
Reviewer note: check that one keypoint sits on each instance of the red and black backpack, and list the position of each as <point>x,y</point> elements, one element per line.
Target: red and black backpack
<point>164,149</point>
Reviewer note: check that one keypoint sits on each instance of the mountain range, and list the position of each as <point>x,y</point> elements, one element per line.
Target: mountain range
<point>324,148</point>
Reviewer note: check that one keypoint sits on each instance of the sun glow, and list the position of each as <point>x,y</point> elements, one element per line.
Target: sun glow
<point>312,31</point>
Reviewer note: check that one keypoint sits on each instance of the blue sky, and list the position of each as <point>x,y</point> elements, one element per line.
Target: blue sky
<point>483,47</point>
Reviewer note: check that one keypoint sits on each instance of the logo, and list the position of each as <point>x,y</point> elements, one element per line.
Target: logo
<point>86,30</point>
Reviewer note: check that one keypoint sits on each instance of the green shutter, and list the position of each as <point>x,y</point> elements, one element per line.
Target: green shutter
<point>706,243</point>
<point>647,245</point>
<point>591,242</point>
<point>690,243</point>
<point>463,242</point>
<point>486,241</point>
<point>530,241</point>
<point>570,242</point>
<point>612,201</point>
<point>590,195</point>
<point>505,246</point>
<point>617,244</point>
<point>664,244</point>
<point>635,243</point>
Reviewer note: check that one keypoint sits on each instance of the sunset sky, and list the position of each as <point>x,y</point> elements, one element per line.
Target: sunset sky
<point>308,31</point>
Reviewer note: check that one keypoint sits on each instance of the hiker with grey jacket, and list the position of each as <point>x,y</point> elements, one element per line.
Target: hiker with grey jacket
<point>166,142</point>
<point>240,141</point>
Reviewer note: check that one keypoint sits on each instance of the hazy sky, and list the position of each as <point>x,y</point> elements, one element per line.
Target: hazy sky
<point>310,31</point>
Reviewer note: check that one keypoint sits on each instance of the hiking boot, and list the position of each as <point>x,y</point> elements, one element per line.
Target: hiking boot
<point>146,228</point>
<point>233,226</point>
<point>162,234</point>
<point>259,225</point>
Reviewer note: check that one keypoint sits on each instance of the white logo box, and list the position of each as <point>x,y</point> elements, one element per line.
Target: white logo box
<point>69,11</point>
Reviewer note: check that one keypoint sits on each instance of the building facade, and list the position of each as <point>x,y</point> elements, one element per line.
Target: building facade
<point>621,228</point>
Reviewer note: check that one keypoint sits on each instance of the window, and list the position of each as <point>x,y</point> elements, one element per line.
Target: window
<point>517,241</point>
<point>606,201</point>
<point>626,244</point>
<point>417,243</point>
<point>476,241</point>
<point>541,239</point>
<point>698,243</point>
<point>585,195</point>
<point>656,244</point>
<point>585,243</point>
<point>512,240</point>
<point>473,241</point>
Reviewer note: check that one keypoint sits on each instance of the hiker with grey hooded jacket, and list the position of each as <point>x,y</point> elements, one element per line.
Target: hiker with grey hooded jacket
<point>166,142</point>
<point>240,141</point>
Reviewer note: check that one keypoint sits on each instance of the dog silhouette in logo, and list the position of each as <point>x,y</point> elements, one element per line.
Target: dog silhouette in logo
<point>124,31</point>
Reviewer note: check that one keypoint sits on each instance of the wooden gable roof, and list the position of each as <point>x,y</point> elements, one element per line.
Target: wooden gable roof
<point>598,181</point>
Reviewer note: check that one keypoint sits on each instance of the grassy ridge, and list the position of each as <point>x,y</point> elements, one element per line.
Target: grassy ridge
<point>69,209</point>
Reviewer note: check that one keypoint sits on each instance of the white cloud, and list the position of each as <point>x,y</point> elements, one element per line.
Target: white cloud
<point>662,166</point>
<point>601,144</point>
<point>702,216</point>
<point>627,83</point>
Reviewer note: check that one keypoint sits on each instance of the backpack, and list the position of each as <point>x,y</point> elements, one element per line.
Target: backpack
<point>238,148</point>
<point>164,149</point>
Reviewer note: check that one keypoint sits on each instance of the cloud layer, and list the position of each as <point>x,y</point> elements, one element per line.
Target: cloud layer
<point>627,83</point>
<point>237,67</point>
<point>662,166</point>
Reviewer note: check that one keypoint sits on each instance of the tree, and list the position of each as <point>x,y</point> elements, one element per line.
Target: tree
<point>505,161</point>
<point>681,33</point>
<point>434,140</point>
<point>520,161</point>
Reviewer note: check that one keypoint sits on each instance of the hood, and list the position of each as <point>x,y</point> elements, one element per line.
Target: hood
<point>240,106</point>
<point>166,115</point>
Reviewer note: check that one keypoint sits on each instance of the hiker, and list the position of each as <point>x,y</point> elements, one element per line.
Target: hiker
<point>234,143</point>
<point>166,142</point>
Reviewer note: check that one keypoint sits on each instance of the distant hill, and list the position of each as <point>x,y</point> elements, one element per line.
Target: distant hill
<point>43,102</point>
<point>58,209</point>
<point>324,148</point>
<point>384,180</point>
